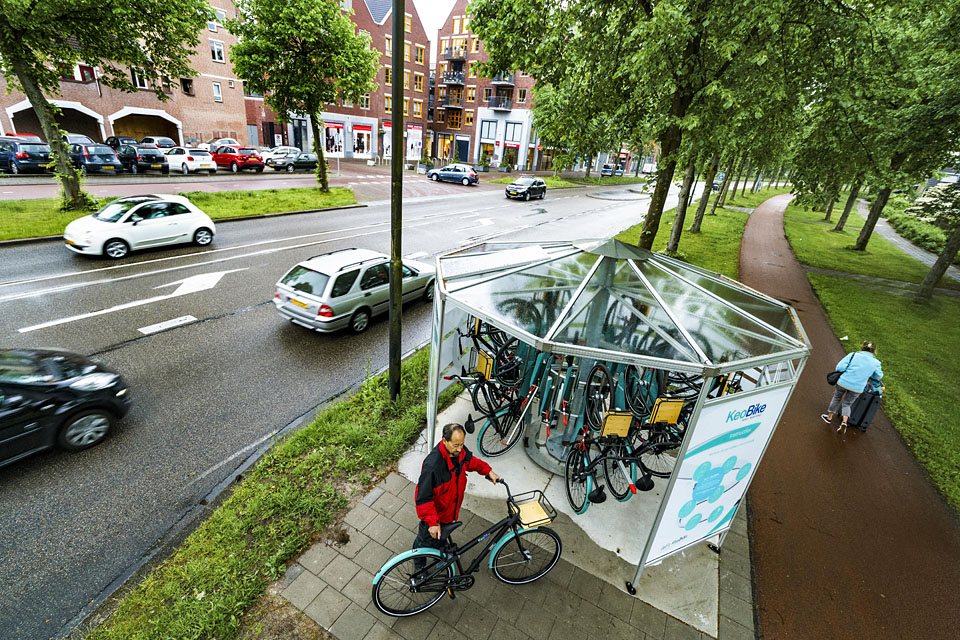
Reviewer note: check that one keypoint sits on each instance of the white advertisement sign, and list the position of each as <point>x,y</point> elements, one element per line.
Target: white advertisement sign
<point>721,457</point>
<point>414,141</point>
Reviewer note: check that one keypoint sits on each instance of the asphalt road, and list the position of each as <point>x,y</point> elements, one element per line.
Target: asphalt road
<point>206,393</point>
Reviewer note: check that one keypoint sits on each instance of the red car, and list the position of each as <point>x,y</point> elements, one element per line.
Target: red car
<point>237,158</point>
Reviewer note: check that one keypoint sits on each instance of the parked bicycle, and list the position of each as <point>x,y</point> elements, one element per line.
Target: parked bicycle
<point>521,550</point>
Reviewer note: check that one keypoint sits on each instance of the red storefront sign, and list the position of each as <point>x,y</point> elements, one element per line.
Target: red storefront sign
<point>333,125</point>
<point>362,127</point>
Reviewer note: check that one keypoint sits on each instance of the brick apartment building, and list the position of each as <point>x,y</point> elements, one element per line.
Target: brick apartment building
<point>214,103</point>
<point>480,118</point>
<point>205,106</point>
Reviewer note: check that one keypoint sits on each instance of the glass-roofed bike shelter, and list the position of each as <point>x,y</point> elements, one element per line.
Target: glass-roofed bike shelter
<point>617,368</point>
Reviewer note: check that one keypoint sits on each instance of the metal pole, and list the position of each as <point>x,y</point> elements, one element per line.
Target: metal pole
<point>396,198</point>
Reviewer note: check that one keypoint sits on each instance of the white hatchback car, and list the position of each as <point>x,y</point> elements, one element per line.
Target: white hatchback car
<point>186,159</point>
<point>139,222</point>
<point>278,152</point>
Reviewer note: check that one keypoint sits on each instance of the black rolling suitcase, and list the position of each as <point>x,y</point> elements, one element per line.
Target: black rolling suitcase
<point>863,409</point>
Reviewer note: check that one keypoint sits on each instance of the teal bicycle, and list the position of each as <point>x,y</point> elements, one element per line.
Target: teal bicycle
<point>521,550</point>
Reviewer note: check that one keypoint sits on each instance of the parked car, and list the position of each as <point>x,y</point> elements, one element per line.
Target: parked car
<point>141,158</point>
<point>23,155</point>
<point>77,138</point>
<point>27,137</point>
<point>611,170</point>
<point>139,222</point>
<point>161,141</point>
<point>215,143</point>
<point>185,160</point>
<point>462,173</point>
<point>237,158</point>
<point>54,398</point>
<point>94,158</point>
<point>526,187</point>
<point>278,152</point>
<point>293,161</point>
<point>115,142</point>
<point>346,288</point>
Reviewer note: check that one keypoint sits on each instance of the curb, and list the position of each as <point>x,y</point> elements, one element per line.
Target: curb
<point>16,241</point>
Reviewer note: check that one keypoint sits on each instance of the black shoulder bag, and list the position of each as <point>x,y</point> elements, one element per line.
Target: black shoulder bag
<point>833,376</point>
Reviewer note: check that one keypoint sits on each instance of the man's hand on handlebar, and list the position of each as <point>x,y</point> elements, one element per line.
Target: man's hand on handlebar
<point>492,477</point>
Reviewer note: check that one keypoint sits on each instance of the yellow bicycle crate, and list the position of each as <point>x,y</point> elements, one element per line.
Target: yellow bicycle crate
<point>616,423</point>
<point>535,510</point>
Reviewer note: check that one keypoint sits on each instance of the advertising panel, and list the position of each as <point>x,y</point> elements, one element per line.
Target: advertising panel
<point>387,139</point>
<point>414,141</point>
<point>728,440</point>
<point>333,139</point>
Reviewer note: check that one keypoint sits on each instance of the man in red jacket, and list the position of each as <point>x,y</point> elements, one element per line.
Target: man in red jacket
<point>443,479</point>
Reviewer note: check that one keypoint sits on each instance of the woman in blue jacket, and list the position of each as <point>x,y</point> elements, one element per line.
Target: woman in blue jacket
<point>857,367</point>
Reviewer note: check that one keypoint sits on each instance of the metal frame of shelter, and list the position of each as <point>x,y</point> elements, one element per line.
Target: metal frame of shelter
<point>606,301</point>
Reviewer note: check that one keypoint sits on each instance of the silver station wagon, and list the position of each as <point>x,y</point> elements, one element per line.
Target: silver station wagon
<point>346,288</point>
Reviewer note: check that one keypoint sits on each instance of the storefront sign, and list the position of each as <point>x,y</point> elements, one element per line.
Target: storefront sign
<point>728,440</point>
<point>512,145</point>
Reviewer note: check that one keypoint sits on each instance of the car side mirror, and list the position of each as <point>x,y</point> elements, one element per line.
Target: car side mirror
<point>135,219</point>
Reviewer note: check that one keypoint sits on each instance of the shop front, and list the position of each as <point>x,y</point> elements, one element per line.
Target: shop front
<point>362,135</point>
<point>333,138</point>
<point>444,146</point>
<point>511,152</point>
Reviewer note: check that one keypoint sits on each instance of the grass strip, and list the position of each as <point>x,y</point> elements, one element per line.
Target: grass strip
<point>42,216</point>
<point>597,180</point>
<point>917,345</point>
<point>298,488</point>
<point>552,181</point>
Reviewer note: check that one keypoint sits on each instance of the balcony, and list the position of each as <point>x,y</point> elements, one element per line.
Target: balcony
<point>455,53</point>
<point>500,103</point>
<point>504,79</point>
<point>452,101</point>
<point>452,77</point>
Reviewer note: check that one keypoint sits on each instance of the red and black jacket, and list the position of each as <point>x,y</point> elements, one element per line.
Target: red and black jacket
<point>439,491</point>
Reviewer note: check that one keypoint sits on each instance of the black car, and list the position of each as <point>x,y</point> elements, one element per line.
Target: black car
<point>55,398</point>
<point>94,158</point>
<point>23,155</point>
<point>142,158</point>
<point>293,161</point>
<point>161,141</point>
<point>115,142</point>
<point>526,187</point>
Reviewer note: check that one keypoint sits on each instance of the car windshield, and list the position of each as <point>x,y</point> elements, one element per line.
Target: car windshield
<point>15,367</point>
<point>35,148</point>
<point>100,150</point>
<point>523,182</point>
<point>306,280</point>
<point>116,209</point>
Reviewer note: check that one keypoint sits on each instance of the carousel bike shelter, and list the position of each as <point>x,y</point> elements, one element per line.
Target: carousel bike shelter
<point>598,334</point>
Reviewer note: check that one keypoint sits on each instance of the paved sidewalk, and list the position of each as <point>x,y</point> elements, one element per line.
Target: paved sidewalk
<point>331,583</point>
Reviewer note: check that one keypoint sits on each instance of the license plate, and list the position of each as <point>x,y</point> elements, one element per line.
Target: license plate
<point>155,166</point>
<point>298,303</point>
<point>513,193</point>
<point>70,242</point>
<point>108,166</point>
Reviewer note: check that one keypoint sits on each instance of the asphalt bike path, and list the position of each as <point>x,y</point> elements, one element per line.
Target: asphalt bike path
<point>849,538</point>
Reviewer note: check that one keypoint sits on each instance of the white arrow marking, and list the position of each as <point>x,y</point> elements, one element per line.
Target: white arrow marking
<point>166,324</point>
<point>482,222</point>
<point>414,256</point>
<point>187,285</point>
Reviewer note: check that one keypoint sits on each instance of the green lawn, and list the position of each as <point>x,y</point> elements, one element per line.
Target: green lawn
<point>597,180</point>
<point>274,513</point>
<point>918,348</point>
<point>42,217</point>
<point>552,182</point>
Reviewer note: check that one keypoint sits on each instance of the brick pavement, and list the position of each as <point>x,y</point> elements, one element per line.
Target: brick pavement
<point>331,583</point>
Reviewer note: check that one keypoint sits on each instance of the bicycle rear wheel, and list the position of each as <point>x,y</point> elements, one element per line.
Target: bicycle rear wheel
<point>528,556</point>
<point>500,432</point>
<point>597,396</point>
<point>396,595</point>
<point>487,398</point>
<point>636,390</point>
<point>658,456</point>
<point>578,483</point>
<point>508,365</point>
<point>619,472</point>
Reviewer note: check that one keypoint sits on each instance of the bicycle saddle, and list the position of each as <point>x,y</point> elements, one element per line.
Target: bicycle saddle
<point>447,529</point>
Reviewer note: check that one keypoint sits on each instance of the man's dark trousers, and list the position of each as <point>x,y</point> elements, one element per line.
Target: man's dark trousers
<point>424,539</point>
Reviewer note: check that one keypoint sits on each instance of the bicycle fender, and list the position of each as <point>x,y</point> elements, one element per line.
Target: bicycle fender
<point>403,556</point>
<point>510,535</point>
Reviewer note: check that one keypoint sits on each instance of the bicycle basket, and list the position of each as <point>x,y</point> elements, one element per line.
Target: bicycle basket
<point>535,509</point>
<point>616,423</point>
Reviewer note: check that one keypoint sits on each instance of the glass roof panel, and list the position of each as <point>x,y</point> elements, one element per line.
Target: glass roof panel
<point>460,269</point>
<point>616,312</point>
<point>531,299</point>
<point>721,332</point>
<point>774,315</point>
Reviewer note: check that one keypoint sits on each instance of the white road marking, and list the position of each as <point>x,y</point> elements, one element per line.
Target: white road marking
<point>482,222</point>
<point>189,285</point>
<point>166,324</point>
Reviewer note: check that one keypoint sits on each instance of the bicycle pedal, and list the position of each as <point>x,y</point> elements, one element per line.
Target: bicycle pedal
<point>450,593</point>
<point>598,496</point>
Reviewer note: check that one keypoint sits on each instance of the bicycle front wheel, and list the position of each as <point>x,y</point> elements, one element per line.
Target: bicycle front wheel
<point>658,456</point>
<point>528,556</point>
<point>597,396</point>
<point>412,585</point>
<point>577,481</point>
<point>619,471</point>
<point>500,432</point>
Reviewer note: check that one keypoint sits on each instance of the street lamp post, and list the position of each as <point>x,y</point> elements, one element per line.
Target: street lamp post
<point>396,199</point>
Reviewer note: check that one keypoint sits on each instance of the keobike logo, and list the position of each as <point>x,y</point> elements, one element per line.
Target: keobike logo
<point>752,410</point>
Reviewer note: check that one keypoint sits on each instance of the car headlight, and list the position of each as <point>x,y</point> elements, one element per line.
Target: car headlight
<point>95,381</point>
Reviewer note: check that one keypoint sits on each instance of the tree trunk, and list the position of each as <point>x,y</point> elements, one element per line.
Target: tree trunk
<point>589,164</point>
<point>685,189</point>
<point>854,191</point>
<point>736,183</point>
<point>939,267</point>
<point>707,190</point>
<point>726,182</point>
<point>318,149</point>
<point>670,142</point>
<point>68,175</point>
<point>831,199</point>
<point>756,183</point>
<point>882,196</point>
<point>746,178</point>
<point>722,193</point>
<point>636,169</point>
